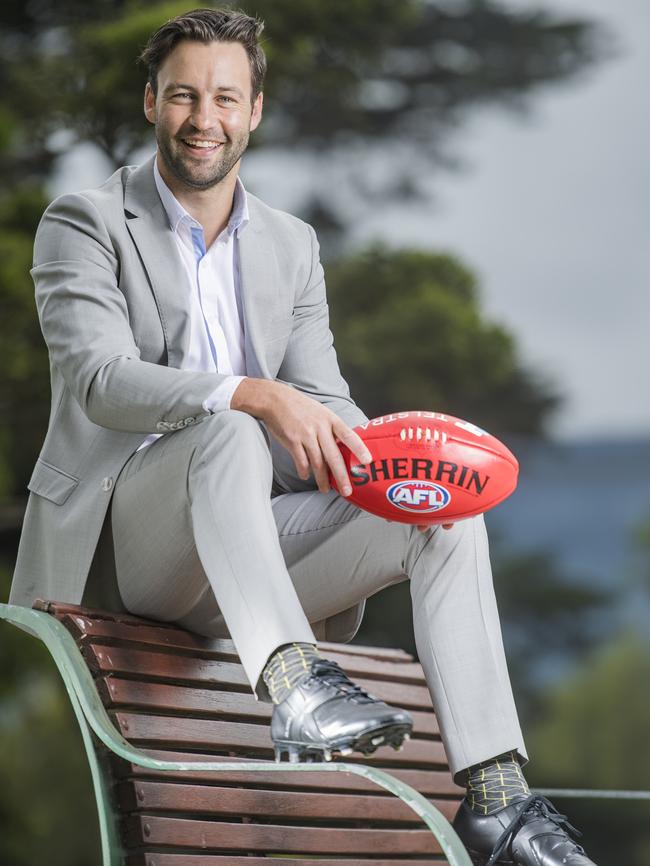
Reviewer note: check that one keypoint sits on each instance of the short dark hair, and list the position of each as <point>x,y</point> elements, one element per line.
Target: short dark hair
<point>208,25</point>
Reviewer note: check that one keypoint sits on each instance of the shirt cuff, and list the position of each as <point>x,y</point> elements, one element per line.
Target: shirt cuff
<point>220,398</point>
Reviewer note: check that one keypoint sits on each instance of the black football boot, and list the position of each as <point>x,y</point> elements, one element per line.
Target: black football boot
<point>529,832</point>
<point>326,713</point>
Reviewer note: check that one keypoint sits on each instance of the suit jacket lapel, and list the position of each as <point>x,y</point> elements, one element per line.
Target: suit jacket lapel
<point>149,227</point>
<point>258,280</point>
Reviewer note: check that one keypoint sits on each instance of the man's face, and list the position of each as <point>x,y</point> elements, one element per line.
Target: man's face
<point>203,113</point>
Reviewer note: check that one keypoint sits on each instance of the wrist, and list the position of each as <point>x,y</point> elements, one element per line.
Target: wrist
<point>254,396</point>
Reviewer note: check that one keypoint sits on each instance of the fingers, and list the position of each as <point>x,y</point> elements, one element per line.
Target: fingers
<point>324,453</point>
<point>334,460</point>
<point>310,432</point>
<point>301,461</point>
<point>316,456</point>
<point>318,462</point>
<point>354,442</point>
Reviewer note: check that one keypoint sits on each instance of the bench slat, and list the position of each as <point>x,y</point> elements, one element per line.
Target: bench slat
<point>431,783</point>
<point>107,633</point>
<point>151,665</point>
<point>286,805</point>
<point>183,669</point>
<point>153,830</point>
<point>116,692</point>
<point>161,859</point>
<point>205,733</point>
<point>62,609</point>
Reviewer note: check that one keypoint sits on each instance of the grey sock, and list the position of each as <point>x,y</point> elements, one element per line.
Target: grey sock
<point>492,785</point>
<point>286,666</point>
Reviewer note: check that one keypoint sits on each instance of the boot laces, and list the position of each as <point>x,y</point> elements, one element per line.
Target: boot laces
<point>331,673</point>
<point>534,806</point>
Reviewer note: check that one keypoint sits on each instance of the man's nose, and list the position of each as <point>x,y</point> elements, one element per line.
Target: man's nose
<point>204,114</point>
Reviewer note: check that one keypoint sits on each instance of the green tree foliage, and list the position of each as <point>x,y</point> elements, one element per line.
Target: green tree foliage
<point>47,808</point>
<point>593,733</point>
<point>604,711</point>
<point>24,383</point>
<point>373,72</point>
<point>641,542</point>
<point>550,620</point>
<point>410,335</point>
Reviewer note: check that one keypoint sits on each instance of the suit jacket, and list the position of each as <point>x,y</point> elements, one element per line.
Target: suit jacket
<point>111,298</point>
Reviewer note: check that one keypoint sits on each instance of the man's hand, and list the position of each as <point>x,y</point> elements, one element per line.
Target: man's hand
<point>306,428</point>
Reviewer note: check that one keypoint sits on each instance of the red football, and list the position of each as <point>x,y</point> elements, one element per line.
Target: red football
<point>429,468</point>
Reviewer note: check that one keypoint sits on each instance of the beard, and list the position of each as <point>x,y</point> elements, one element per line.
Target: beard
<point>199,173</point>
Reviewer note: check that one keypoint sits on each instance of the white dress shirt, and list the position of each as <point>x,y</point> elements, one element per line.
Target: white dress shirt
<point>213,294</point>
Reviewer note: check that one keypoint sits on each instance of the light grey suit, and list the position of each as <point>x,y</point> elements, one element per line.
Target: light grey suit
<point>212,527</point>
<point>111,304</point>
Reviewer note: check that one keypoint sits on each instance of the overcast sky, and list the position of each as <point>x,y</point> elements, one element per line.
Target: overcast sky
<point>552,211</point>
<point>555,216</point>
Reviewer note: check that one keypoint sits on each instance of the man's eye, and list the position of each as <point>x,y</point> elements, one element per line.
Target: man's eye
<point>182,95</point>
<point>224,98</point>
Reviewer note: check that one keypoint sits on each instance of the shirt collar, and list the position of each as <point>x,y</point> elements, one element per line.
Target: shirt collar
<point>178,216</point>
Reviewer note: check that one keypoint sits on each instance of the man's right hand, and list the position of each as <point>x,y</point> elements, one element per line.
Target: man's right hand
<point>306,428</point>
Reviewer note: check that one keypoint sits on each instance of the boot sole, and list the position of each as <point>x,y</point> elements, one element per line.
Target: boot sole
<point>367,744</point>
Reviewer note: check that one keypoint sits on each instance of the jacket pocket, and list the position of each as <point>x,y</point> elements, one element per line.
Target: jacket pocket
<point>51,483</point>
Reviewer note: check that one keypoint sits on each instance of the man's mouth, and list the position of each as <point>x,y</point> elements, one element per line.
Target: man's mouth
<point>202,144</point>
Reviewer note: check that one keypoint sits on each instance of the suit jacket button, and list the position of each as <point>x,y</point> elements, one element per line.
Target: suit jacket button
<point>107,484</point>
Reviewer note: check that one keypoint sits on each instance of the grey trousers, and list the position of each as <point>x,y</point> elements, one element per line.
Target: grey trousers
<point>208,534</point>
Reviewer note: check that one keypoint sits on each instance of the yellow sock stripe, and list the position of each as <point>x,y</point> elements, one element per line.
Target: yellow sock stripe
<point>302,656</point>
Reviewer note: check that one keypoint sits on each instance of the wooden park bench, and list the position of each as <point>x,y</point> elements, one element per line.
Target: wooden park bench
<point>182,759</point>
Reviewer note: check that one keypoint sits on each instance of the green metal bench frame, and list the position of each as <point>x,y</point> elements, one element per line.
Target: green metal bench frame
<point>93,718</point>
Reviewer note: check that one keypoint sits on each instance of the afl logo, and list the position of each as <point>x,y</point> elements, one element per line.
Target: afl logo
<point>418,496</point>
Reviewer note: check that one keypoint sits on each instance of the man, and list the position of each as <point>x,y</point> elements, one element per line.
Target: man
<point>169,297</point>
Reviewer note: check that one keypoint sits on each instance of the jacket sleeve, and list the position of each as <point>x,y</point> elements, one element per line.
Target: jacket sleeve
<point>310,362</point>
<point>85,321</point>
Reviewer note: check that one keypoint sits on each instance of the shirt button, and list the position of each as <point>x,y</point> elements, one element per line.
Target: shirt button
<point>107,484</point>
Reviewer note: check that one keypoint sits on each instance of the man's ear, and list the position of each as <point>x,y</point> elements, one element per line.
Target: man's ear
<point>149,104</point>
<point>256,114</point>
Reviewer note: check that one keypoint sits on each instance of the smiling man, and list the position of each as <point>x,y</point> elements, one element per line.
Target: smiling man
<point>203,108</point>
<point>196,408</point>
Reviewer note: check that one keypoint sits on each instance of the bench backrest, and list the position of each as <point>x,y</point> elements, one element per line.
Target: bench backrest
<point>182,697</point>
